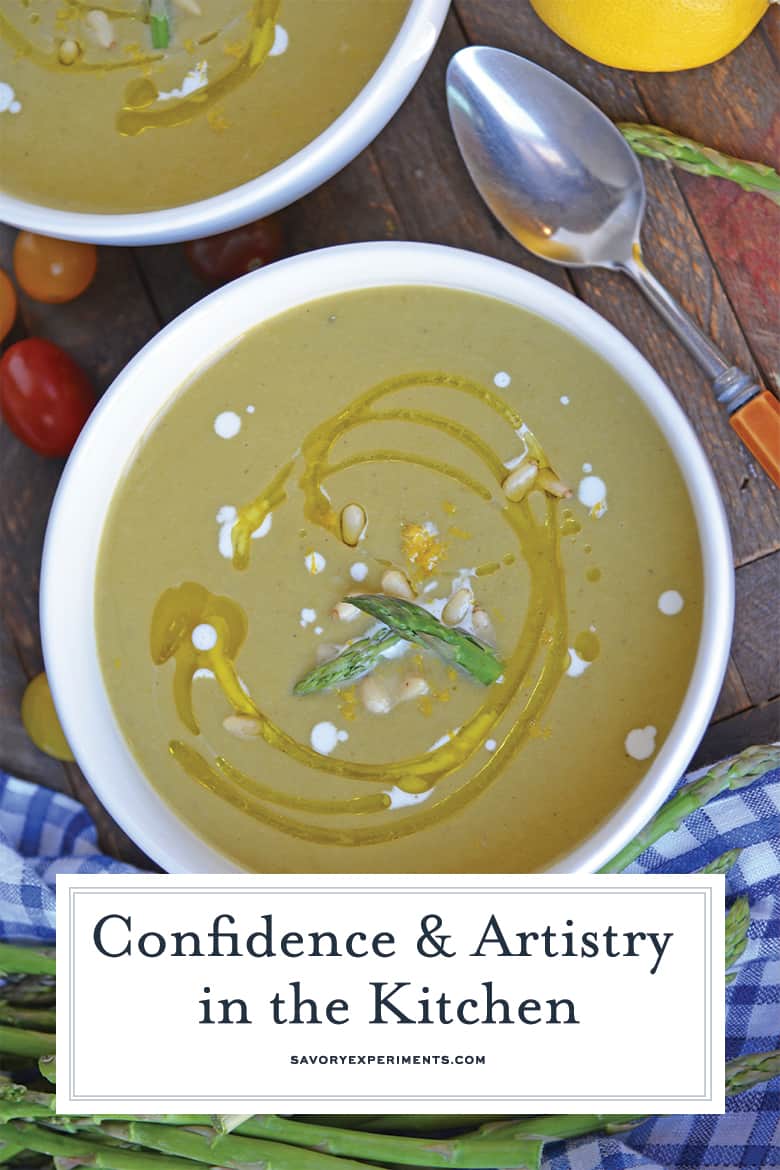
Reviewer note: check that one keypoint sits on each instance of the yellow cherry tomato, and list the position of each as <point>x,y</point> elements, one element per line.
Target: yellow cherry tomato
<point>41,721</point>
<point>7,305</point>
<point>53,271</point>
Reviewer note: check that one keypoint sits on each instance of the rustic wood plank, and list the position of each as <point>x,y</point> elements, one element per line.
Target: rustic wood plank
<point>102,329</point>
<point>757,628</point>
<point>757,725</point>
<point>733,105</point>
<point>675,250</point>
<point>168,279</point>
<point>733,696</point>
<point>770,32</point>
<point>436,200</point>
<point>353,206</point>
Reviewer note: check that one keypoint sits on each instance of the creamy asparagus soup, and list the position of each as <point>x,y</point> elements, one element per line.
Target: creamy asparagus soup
<point>406,580</point>
<point>143,104</point>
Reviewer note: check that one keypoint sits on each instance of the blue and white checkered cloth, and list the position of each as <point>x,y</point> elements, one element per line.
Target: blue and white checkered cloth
<point>43,833</point>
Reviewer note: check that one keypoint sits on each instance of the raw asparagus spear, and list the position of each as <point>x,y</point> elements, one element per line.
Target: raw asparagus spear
<point>747,1071</point>
<point>26,961</point>
<point>357,660</point>
<point>729,775</point>
<point>737,923</point>
<point>721,864</point>
<point>19,1042</point>
<point>78,1151</point>
<point>470,1150</point>
<point>415,624</point>
<point>655,142</point>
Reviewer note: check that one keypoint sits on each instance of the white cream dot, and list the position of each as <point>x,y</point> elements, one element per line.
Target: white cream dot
<point>587,468</point>
<point>640,742</point>
<point>565,400</point>
<point>592,492</point>
<point>250,410</point>
<point>264,528</point>
<point>204,637</point>
<point>308,617</point>
<point>342,736</point>
<point>490,745</point>
<point>318,630</point>
<point>226,518</point>
<point>281,41</point>
<point>577,665</point>
<point>401,799</point>
<point>358,571</point>
<point>324,737</point>
<point>671,602</point>
<point>502,379</point>
<point>227,424</point>
<point>8,99</point>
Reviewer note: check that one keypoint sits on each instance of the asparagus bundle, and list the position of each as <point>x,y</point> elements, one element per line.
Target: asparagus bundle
<point>655,142</point>
<point>30,1126</point>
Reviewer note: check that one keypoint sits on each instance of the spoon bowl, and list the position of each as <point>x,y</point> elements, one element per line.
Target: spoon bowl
<point>563,181</point>
<point>550,166</point>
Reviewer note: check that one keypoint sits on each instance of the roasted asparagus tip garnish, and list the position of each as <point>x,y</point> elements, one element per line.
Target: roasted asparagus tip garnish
<point>357,660</point>
<point>159,23</point>
<point>414,624</point>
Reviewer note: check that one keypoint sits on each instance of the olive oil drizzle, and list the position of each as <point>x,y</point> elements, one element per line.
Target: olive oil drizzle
<point>543,635</point>
<point>140,111</point>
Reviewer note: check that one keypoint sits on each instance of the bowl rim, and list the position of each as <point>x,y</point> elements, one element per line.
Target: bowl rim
<point>363,119</point>
<point>196,338</point>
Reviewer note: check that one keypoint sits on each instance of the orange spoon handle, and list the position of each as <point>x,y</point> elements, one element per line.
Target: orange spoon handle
<point>758,425</point>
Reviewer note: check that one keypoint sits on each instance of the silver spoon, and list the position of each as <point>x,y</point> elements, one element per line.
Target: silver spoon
<point>563,181</point>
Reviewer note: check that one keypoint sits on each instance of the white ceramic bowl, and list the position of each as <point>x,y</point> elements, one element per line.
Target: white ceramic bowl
<point>342,141</point>
<point>153,377</point>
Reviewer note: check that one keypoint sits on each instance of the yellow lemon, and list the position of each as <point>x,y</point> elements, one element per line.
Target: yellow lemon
<point>652,35</point>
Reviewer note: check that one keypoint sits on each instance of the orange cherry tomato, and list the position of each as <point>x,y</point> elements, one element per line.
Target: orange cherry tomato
<point>7,305</point>
<point>54,271</point>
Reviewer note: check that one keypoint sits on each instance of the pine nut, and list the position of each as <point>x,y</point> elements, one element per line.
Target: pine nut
<point>548,481</point>
<point>353,524</point>
<point>102,27</point>
<point>375,696</point>
<point>68,52</point>
<point>481,621</point>
<point>413,687</point>
<point>457,607</point>
<point>190,6</point>
<point>396,584</point>
<point>518,483</point>
<point>243,726</point>
<point>344,612</point>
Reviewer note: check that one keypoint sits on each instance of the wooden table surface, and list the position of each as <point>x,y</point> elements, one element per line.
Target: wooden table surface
<point>715,247</point>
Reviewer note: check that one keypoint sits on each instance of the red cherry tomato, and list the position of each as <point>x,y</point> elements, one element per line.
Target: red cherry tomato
<point>218,259</point>
<point>7,305</point>
<point>45,397</point>
<point>53,271</point>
